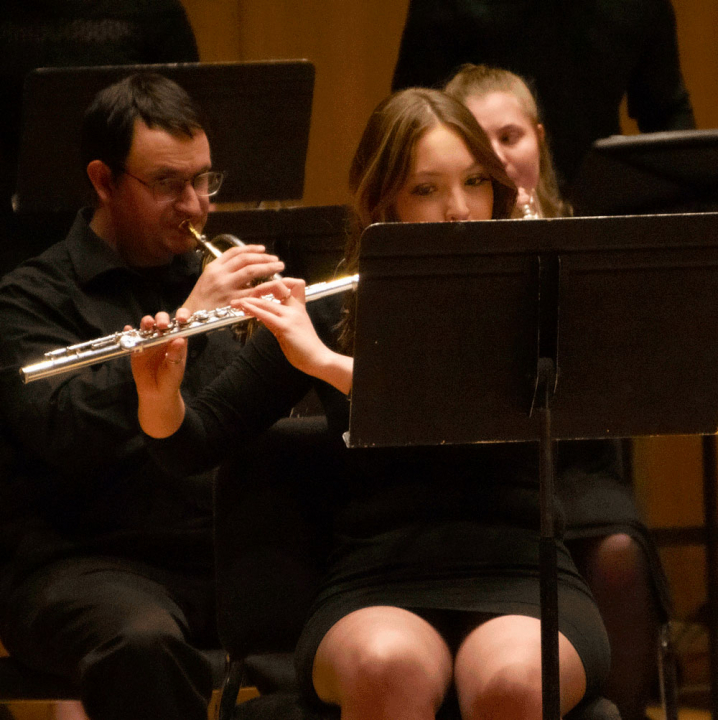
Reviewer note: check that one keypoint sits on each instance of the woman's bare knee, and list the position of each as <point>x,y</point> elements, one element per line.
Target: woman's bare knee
<point>383,657</point>
<point>514,693</point>
<point>498,671</point>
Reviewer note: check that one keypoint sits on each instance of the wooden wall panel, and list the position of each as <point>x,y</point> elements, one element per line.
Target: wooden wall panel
<point>697,22</point>
<point>353,47</point>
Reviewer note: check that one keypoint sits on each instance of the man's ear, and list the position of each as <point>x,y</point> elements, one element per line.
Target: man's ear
<point>102,179</point>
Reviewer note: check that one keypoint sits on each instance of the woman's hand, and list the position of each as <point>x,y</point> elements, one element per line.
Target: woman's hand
<point>289,322</point>
<point>158,373</point>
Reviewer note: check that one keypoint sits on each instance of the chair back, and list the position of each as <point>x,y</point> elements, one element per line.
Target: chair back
<point>272,535</point>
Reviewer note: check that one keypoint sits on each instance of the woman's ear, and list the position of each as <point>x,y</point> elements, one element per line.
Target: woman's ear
<point>540,132</point>
<point>101,178</point>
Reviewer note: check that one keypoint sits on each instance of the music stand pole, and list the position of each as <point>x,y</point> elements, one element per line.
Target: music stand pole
<point>550,677</point>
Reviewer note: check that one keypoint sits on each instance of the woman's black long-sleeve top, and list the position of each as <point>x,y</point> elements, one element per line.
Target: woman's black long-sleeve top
<point>380,491</point>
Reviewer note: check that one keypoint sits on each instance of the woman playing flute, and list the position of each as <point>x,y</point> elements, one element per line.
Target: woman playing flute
<point>432,588</point>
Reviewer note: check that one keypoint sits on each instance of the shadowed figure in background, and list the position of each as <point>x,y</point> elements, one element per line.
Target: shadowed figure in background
<point>581,58</point>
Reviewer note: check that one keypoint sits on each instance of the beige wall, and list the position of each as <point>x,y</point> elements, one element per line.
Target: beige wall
<point>353,46</point>
<point>698,42</point>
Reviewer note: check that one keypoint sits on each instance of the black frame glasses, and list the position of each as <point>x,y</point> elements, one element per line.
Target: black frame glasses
<point>205,184</point>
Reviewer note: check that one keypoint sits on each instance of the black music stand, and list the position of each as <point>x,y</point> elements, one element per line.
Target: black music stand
<point>309,240</point>
<point>257,113</point>
<point>664,172</point>
<point>548,330</point>
<point>650,173</point>
<point>257,117</point>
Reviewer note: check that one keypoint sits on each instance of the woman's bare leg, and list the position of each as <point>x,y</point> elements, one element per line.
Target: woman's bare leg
<point>383,663</point>
<point>498,671</point>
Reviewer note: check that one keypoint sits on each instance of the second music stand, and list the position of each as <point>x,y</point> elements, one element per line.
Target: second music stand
<point>549,330</point>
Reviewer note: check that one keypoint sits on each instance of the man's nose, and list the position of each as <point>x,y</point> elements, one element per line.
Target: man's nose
<point>188,201</point>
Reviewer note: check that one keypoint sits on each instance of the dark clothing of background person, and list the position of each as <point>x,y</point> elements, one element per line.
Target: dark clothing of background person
<point>580,58</point>
<point>451,530</point>
<point>74,33</point>
<point>88,520</point>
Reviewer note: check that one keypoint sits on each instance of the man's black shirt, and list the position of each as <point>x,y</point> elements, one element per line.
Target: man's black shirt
<point>76,476</point>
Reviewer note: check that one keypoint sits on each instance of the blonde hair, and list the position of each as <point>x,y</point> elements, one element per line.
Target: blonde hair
<point>480,80</point>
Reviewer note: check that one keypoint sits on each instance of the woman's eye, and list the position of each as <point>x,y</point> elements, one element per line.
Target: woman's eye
<point>511,137</point>
<point>423,190</point>
<point>476,180</point>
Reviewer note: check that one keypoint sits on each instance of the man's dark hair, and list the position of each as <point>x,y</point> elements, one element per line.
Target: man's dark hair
<point>109,122</point>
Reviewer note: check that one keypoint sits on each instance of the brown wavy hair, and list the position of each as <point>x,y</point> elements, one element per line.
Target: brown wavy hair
<point>384,157</point>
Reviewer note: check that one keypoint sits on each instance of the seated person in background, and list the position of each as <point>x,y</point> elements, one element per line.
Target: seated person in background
<point>508,113</point>
<point>432,588</point>
<point>106,564</point>
<point>604,531</point>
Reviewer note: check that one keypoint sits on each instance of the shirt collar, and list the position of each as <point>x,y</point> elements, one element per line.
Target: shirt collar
<point>93,258</point>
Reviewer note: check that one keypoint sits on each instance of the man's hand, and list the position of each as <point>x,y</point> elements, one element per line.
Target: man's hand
<point>158,373</point>
<point>231,277</point>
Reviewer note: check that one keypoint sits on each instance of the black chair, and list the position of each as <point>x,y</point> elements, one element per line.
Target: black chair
<point>18,683</point>
<point>270,538</point>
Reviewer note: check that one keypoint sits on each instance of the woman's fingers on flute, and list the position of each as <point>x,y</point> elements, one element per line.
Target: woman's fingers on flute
<point>279,289</point>
<point>297,288</point>
<point>162,321</point>
<point>183,315</point>
<point>261,308</point>
<point>292,326</point>
<point>289,316</point>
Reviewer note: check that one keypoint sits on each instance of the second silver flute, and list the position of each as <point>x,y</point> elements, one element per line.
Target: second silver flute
<point>118,344</point>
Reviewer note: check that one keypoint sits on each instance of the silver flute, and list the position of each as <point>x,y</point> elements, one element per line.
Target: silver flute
<point>126,342</point>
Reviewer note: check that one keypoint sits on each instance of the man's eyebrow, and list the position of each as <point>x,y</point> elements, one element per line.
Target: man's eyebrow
<point>166,171</point>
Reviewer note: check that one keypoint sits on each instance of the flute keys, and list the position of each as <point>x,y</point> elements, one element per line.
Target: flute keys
<point>129,341</point>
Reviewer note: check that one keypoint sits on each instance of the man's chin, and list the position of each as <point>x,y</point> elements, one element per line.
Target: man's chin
<point>181,242</point>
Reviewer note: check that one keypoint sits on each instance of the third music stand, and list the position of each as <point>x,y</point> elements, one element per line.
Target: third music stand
<point>549,330</point>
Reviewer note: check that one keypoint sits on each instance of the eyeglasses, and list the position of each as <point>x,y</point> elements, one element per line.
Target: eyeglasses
<point>169,189</point>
